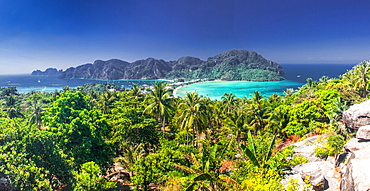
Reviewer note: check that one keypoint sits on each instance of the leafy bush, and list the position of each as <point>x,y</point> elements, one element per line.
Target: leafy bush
<point>332,145</point>
<point>90,178</point>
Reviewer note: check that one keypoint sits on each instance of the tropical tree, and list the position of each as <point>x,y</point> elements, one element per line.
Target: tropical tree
<point>105,101</point>
<point>81,130</point>
<point>135,91</point>
<point>36,114</point>
<point>11,106</point>
<point>278,119</point>
<point>237,121</point>
<point>362,71</point>
<point>250,152</point>
<point>289,92</point>
<point>159,102</point>
<point>228,101</point>
<point>130,154</point>
<point>90,179</point>
<point>206,171</point>
<point>193,113</point>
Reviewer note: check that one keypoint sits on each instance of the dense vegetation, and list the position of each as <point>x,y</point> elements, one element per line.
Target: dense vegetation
<point>93,139</point>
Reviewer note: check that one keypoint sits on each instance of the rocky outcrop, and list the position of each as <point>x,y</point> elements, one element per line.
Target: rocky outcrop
<point>306,148</point>
<point>355,168</point>
<point>349,171</point>
<point>236,64</point>
<point>357,115</point>
<point>109,70</point>
<point>47,72</point>
<point>363,133</point>
<point>319,173</point>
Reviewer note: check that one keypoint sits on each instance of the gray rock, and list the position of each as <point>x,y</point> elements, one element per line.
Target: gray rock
<point>306,148</point>
<point>357,115</point>
<point>356,170</point>
<point>47,72</point>
<point>363,132</point>
<point>349,171</point>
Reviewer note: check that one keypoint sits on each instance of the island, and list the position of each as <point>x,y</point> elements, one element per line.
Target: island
<point>232,65</point>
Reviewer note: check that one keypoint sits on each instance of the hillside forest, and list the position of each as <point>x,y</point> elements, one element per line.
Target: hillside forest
<point>91,138</point>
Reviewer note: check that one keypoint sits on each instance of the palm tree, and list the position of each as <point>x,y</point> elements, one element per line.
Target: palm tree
<point>130,155</point>
<point>288,92</point>
<point>207,171</point>
<point>228,101</point>
<point>257,115</point>
<point>324,79</point>
<point>105,101</point>
<point>193,113</point>
<point>257,97</point>
<point>159,102</point>
<point>362,71</point>
<point>135,91</point>
<point>278,119</point>
<point>11,107</point>
<point>310,83</point>
<point>237,120</point>
<point>36,114</point>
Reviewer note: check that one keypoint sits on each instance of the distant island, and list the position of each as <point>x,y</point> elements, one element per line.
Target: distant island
<point>235,64</point>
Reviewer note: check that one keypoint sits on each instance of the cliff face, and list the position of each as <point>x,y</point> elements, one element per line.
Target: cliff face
<point>47,72</point>
<point>234,64</point>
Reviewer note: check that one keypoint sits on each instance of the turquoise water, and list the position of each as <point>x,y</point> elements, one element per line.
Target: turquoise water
<point>216,89</point>
<point>296,75</point>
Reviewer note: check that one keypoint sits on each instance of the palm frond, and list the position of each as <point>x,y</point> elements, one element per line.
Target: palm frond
<point>184,168</point>
<point>250,155</point>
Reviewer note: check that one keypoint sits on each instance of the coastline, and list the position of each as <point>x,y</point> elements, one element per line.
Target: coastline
<point>216,89</point>
<point>174,93</point>
<point>179,85</point>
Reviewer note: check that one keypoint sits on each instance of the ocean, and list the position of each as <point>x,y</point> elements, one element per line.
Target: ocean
<point>296,75</point>
<point>26,83</point>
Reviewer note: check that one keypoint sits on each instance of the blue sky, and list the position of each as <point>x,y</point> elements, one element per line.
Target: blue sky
<point>36,34</point>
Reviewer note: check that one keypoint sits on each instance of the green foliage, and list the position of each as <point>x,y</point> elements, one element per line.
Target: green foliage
<point>311,113</point>
<point>228,70</point>
<point>31,158</point>
<point>91,179</point>
<point>190,143</point>
<point>158,100</point>
<point>250,152</point>
<point>333,144</point>
<point>81,130</point>
<point>129,124</point>
<point>297,159</point>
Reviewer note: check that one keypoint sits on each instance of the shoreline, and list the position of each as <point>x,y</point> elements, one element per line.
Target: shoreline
<point>177,86</point>
<point>180,85</point>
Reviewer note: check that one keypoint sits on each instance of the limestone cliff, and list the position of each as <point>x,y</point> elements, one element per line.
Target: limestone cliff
<point>47,72</point>
<point>236,64</point>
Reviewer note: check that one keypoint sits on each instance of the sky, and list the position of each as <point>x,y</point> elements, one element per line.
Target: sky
<point>37,34</point>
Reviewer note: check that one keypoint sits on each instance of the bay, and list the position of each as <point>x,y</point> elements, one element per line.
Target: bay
<point>295,76</point>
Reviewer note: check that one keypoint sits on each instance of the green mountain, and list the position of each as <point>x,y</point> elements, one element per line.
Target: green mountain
<point>236,64</point>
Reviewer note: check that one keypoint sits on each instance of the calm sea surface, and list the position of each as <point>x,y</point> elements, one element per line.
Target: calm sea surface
<point>296,75</point>
<point>28,83</point>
